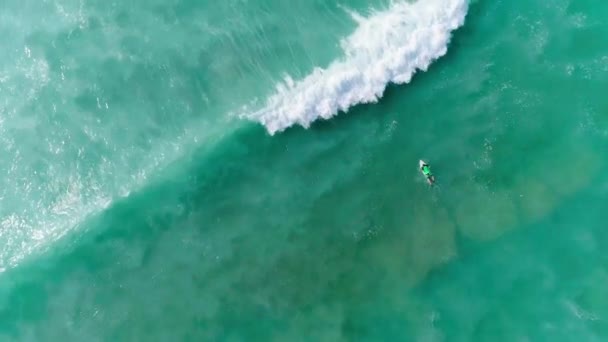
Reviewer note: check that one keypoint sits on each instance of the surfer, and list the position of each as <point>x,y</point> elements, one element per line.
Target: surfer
<point>426,171</point>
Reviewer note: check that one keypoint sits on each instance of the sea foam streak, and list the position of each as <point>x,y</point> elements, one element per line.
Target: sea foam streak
<point>388,47</point>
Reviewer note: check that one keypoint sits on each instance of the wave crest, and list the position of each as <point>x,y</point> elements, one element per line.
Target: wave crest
<point>387,47</point>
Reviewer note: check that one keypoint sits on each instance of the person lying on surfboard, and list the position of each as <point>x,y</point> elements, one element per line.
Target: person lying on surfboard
<point>426,171</point>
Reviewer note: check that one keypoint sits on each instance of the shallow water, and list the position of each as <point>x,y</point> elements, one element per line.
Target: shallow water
<point>159,184</point>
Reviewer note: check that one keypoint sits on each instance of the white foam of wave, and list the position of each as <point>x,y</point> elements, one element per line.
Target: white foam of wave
<point>387,47</point>
<point>49,191</point>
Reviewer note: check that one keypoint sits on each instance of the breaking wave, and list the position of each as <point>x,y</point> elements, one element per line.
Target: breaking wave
<point>387,47</point>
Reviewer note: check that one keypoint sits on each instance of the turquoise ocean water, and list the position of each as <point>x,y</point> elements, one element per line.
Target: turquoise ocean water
<point>247,170</point>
